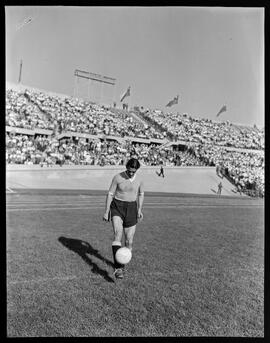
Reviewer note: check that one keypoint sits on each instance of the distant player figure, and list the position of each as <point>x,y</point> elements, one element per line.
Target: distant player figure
<point>219,188</point>
<point>219,169</point>
<point>161,171</point>
<point>122,208</point>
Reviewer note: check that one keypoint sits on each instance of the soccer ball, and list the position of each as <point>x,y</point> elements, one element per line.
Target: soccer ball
<point>123,255</point>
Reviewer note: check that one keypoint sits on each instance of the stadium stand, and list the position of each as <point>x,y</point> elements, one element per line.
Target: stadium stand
<point>49,129</point>
<point>184,127</point>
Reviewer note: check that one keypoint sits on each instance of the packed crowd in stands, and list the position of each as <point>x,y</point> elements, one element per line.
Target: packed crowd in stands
<point>184,127</point>
<point>71,114</point>
<point>30,109</point>
<point>206,140</point>
<point>245,169</point>
<point>22,113</point>
<point>24,149</point>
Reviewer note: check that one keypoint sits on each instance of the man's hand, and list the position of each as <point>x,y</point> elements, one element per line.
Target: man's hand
<point>106,216</point>
<point>140,215</point>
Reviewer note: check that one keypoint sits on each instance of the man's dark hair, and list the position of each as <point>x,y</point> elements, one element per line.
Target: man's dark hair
<point>133,163</point>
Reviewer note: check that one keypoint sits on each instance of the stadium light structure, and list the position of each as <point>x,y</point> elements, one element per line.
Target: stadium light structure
<point>95,79</point>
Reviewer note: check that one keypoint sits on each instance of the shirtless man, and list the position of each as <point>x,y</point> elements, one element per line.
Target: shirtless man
<point>123,209</point>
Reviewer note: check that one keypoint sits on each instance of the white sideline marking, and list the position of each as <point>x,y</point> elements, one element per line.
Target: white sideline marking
<point>98,207</point>
<point>101,203</point>
<point>13,204</point>
<point>55,203</point>
<point>52,208</point>
<point>89,203</point>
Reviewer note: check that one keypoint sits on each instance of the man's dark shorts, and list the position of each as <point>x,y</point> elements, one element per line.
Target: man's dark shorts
<point>127,210</point>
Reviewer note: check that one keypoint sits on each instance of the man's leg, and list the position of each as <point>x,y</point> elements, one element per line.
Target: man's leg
<point>116,244</point>
<point>129,234</point>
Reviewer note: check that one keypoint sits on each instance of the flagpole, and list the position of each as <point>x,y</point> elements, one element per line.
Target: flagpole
<point>74,86</point>
<point>114,95</point>
<point>20,72</point>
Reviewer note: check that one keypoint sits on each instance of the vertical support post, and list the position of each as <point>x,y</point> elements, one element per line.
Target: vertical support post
<point>88,86</point>
<point>74,86</point>
<point>102,92</point>
<point>114,94</point>
<point>20,73</point>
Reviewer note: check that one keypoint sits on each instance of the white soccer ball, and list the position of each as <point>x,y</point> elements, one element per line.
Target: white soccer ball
<point>123,255</point>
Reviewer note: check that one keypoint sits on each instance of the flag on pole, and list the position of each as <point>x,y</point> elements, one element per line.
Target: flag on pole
<point>174,101</point>
<point>223,109</point>
<point>127,93</point>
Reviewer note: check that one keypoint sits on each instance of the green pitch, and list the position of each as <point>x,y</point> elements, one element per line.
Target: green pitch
<point>197,268</point>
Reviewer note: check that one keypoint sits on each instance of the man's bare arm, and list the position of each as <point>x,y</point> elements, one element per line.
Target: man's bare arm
<point>109,199</point>
<point>140,201</point>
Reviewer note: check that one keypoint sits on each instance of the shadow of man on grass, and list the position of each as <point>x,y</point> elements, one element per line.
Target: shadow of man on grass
<point>83,248</point>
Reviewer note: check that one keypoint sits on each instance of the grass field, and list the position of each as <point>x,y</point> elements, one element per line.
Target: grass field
<point>197,268</point>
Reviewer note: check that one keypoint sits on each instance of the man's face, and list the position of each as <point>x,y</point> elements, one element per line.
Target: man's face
<point>131,171</point>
